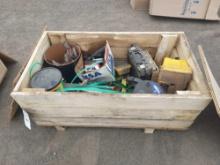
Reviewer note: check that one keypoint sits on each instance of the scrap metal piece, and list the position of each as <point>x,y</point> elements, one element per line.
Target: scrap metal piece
<point>142,63</point>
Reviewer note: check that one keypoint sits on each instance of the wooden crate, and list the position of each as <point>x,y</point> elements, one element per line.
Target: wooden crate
<point>147,111</point>
<point>140,5</point>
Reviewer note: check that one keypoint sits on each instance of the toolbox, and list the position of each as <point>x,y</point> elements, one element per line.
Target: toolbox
<point>147,111</point>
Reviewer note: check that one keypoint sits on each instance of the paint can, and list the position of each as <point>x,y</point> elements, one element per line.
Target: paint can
<point>48,78</point>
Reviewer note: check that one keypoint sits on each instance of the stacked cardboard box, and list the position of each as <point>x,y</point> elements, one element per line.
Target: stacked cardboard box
<point>191,9</point>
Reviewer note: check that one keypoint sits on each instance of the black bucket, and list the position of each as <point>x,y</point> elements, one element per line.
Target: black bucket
<point>56,53</point>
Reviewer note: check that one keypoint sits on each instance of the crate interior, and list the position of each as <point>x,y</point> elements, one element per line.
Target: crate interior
<point>173,43</point>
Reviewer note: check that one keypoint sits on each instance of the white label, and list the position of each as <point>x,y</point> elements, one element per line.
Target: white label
<point>27,121</point>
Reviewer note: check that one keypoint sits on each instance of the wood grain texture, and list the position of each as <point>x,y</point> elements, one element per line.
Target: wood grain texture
<point>3,71</point>
<point>165,48</point>
<point>118,113</point>
<point>36,57</point>
<point>185,52</point>
<point>213,12</point>
<point>118,123</point>
<point>149,131</point>
<point>120,101</point>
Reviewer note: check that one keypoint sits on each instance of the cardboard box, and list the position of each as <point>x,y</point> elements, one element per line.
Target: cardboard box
<point>140,4</point>
<point>192,9</point>
<point>105,73</point>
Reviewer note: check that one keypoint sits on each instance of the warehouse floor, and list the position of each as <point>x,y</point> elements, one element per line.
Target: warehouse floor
<point>22,22</point>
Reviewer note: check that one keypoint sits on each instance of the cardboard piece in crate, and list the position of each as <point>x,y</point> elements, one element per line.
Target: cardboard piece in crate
<point>192,9</point>
<point>105,73</point>
<point>139,4</point>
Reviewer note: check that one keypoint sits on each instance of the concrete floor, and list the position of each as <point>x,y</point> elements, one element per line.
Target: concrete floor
<point>22,22</point>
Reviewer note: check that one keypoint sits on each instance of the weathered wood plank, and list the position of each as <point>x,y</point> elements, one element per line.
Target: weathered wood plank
<point>108,101</point>
<point>118,123</point>
<point>59,128</point>
<point>3,71</point>
<point>213,85</point>
<point>149,131</point>
<point>165,114</point>
<point>185,52</point>
<point>36,57</point>
<point>165,48</point>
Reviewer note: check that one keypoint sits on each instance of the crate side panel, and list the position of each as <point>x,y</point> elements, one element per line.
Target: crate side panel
<point>36,57</point>
<point>50,100</point>
<point>119,123</point>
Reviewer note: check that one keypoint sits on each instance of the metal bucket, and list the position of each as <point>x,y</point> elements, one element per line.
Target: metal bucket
<point>48,78</point>
<point>56,53</point>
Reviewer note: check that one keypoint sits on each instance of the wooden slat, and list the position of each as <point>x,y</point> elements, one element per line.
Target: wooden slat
<point>122,52</point>
<point>185,52</point>
<point>149,131</point>
<point>3,71</point>
<point>213,85</point>
<point>188,92</point>
<point>128,101</point>
<point>165,114</point>
<point>165,48</point>
<point>193,86</point>
<point>90,42</point>
<point>13,105</point>
<point>39,51</point>
<point>119,123</point>
<point>174,53</point>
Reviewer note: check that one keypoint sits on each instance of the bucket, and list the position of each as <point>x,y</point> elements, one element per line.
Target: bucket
<point>56,54</point>
<point>48,78</point>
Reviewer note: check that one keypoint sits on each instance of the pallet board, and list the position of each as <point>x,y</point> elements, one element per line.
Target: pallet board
<point>4,60</point>
<point>3,71</point>
<point>147,111</point>
<point>213,85</point>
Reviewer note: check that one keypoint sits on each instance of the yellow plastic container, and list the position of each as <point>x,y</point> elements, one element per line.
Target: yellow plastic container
<point>176,65</point>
